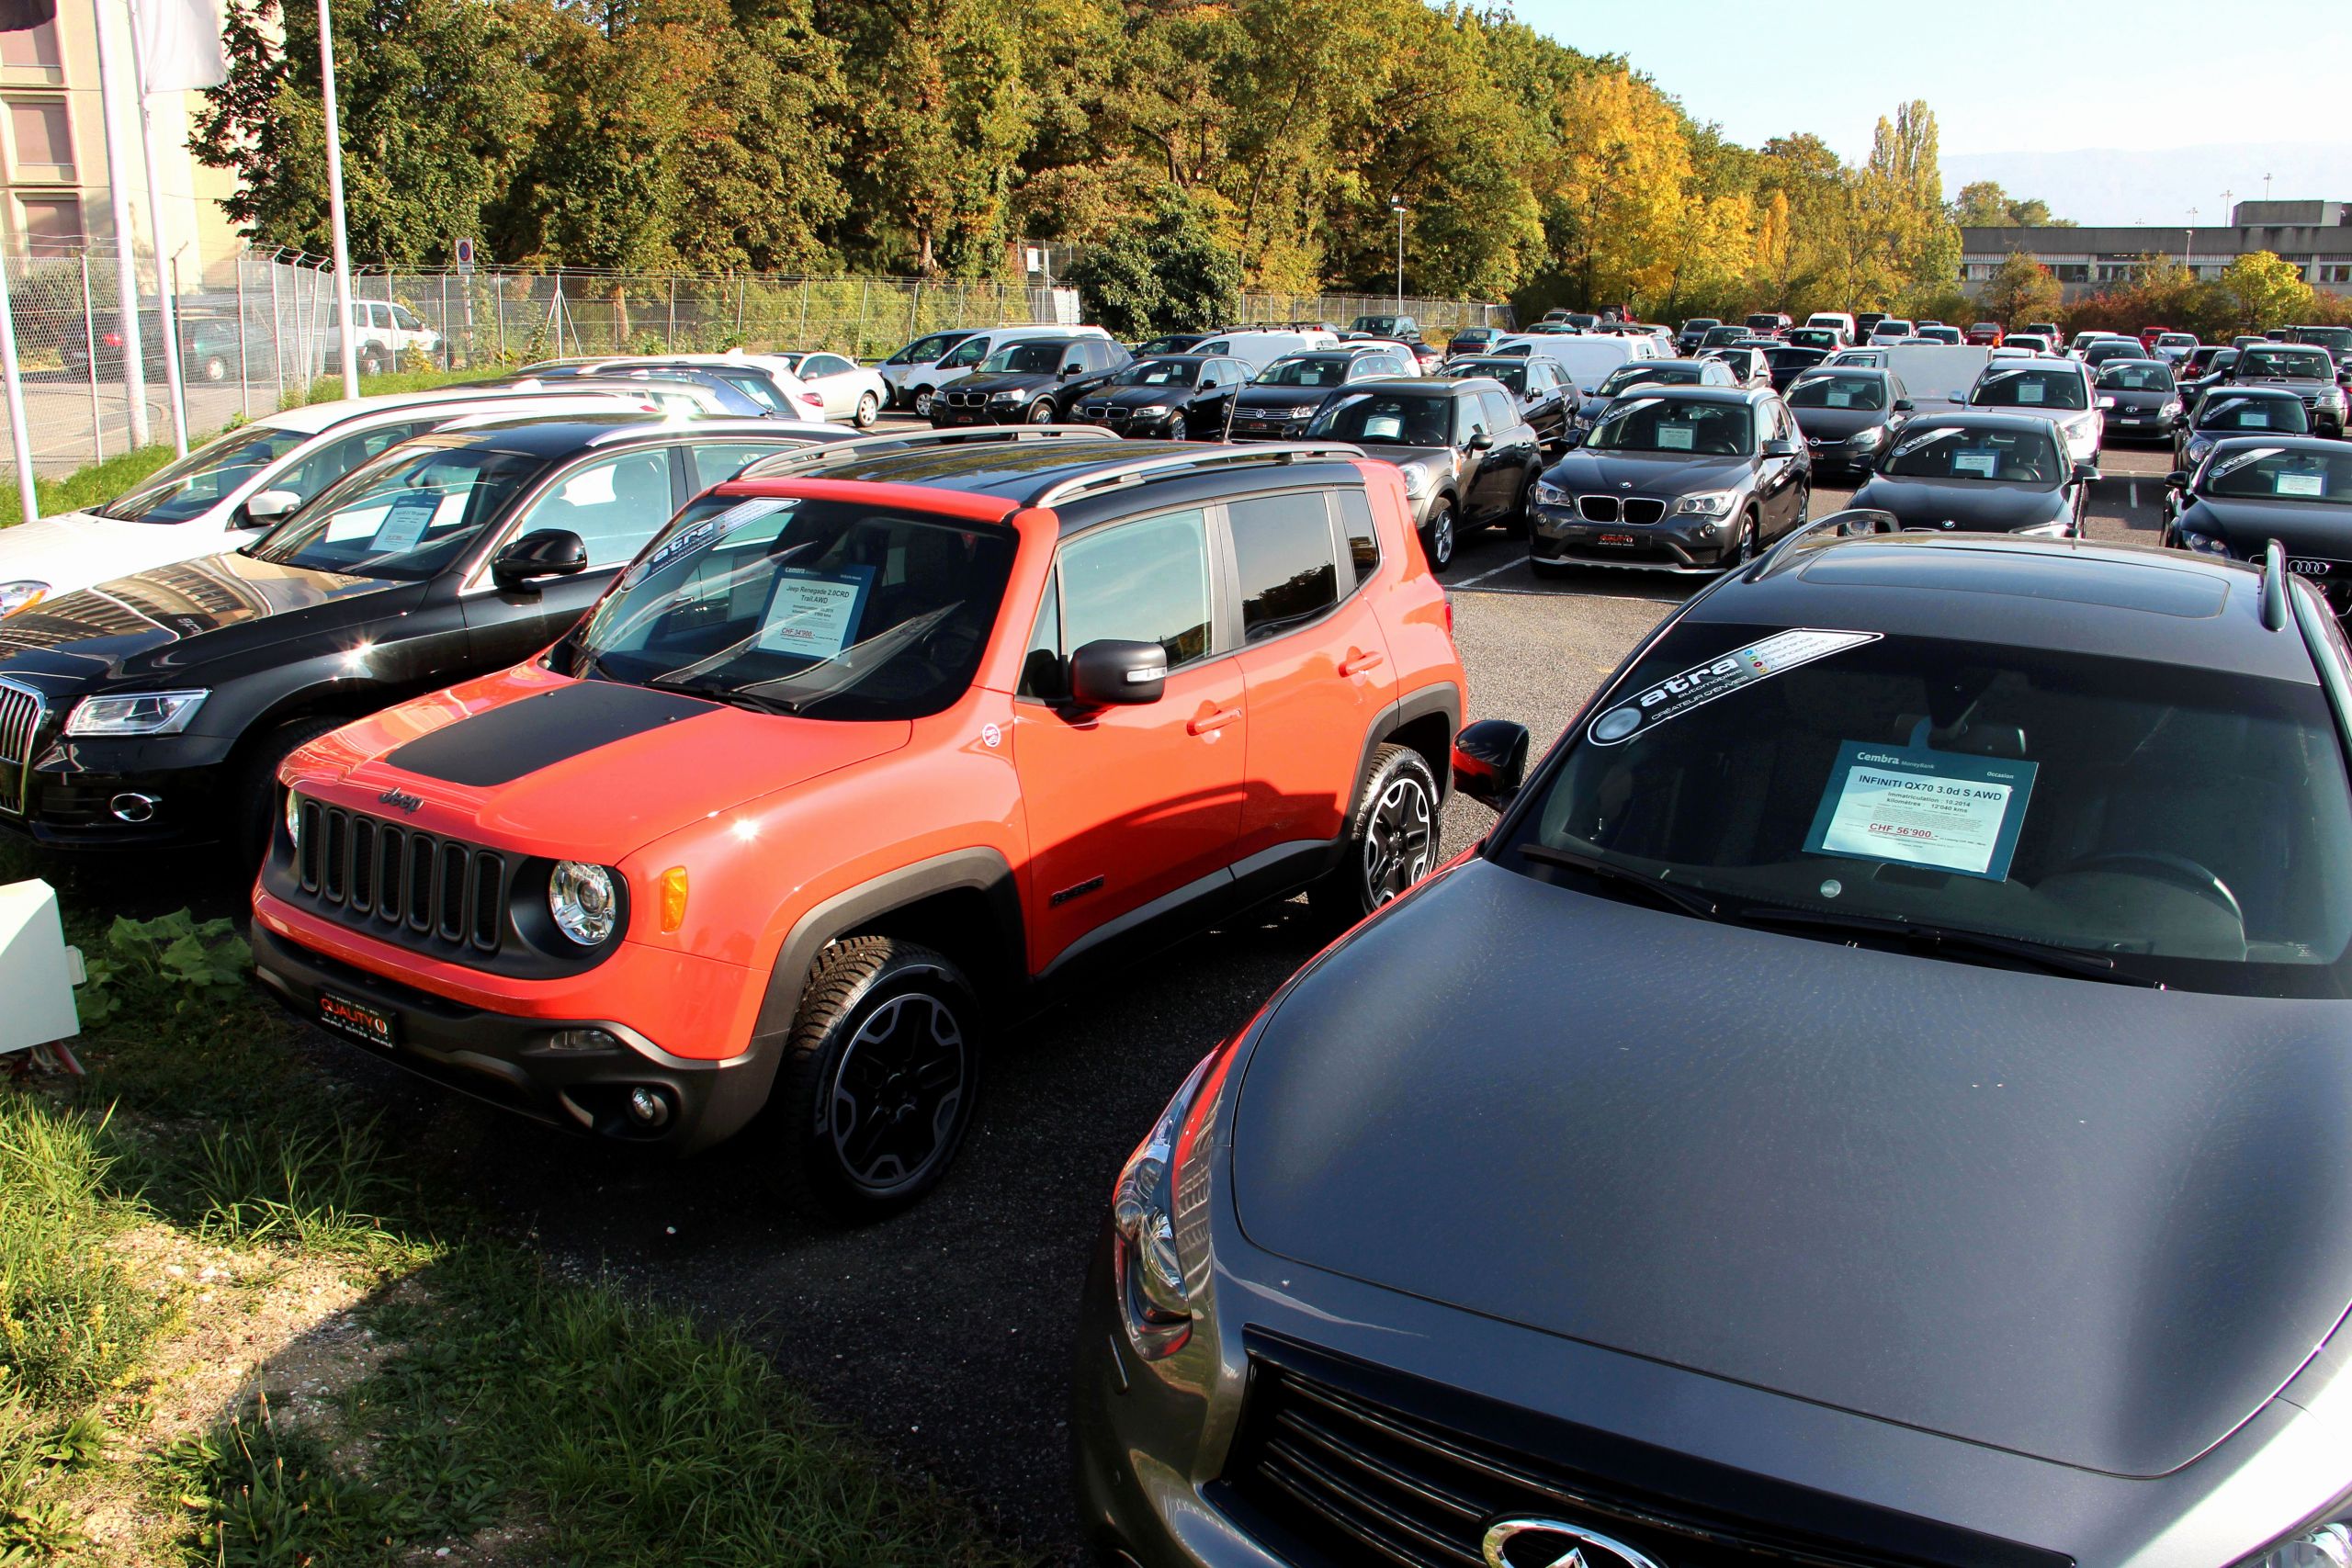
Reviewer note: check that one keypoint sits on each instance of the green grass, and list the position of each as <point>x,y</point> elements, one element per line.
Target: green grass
<point>85,486</point>
<point>327,388</point>
<point>578,1419</point>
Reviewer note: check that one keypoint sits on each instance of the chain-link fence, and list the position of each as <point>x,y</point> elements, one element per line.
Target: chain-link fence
<point>262,337</point>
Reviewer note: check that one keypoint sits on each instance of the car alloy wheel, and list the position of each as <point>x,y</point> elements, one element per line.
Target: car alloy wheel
<point>216,368</point>
<point>1748,540</point>
<point>898,1087</point>
<point>1042,411</point>
<point>1399,841</point>
<point>1439,536</point>
<point>923,401</point>
<point>869,409</point>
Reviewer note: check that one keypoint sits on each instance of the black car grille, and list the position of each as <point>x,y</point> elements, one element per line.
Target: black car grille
<point>380,877</point>
<point>1638,510</point>
<point>20,714</point>
<point>966,399</point>
<point>1328,1475</point>
<point>1108,414</point>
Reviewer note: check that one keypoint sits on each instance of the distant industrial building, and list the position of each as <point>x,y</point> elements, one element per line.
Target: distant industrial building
<point>2316,236</point>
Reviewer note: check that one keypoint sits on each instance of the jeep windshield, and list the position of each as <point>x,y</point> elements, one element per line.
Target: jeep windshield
<point>409,515</point>
<point>198,482</point>
<point>2028,388</point>
<point>1665,425</point>
<point>2279,473</point>
<point>2126,820</point>
<point>831,608</point>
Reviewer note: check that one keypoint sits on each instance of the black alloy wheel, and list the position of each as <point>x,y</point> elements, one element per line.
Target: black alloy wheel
<point>1392,838</point>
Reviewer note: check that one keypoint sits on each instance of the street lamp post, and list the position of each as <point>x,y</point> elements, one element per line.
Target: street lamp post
<point>2188,246</point>
<point>1396,205</point>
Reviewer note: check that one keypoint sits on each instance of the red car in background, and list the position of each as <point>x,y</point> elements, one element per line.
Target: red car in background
<point>1985,335</point>
<point>2148,336</point>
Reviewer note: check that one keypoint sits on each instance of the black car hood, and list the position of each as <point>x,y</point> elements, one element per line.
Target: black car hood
<point>2303,529</point>
<point>174,618</point>
<point>1650,473</point>
<point>1136,396</point>
<point>1975,505</point>
<point>1009,381</point>
<point>1836,425</point>
<point>2090,1222</point>
<point>1255,398</point>
<point>2125,397</point>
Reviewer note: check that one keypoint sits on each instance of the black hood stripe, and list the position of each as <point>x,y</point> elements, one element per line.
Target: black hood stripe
<point>501,745</point>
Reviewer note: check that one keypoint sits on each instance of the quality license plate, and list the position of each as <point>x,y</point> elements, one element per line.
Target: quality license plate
<point>1625,539</point>
<point>370,1026</point>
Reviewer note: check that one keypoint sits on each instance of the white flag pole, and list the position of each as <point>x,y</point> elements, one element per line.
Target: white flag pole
<point>17,436</point>
<point>167,312</point>
<point>134,359</point>
<point>348,337</point>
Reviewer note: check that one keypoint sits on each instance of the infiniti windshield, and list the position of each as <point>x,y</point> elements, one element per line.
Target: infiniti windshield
<point>2185,827</point>
<point>203,479</point>
<point>826,608</point>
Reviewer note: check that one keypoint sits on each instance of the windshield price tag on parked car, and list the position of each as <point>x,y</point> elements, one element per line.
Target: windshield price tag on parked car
<point>1942,809</point>
<point>1703,683</point>
<point>405,522</point>
<point>814,614</point>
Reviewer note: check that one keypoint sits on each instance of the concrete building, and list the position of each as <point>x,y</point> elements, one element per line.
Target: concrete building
<point>2314,235</point>
<point>53,153</point>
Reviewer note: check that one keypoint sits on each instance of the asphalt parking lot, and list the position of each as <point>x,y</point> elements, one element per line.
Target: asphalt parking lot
<point>942,1336</point>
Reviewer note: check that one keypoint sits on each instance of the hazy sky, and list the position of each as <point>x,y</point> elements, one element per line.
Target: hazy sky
<point>2047,74</point>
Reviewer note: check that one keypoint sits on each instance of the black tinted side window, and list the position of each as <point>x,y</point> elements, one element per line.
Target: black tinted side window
<point>1281,547</point>
<point>1355,522</point>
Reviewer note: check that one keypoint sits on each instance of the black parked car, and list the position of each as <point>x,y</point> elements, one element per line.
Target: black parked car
<point>1847,416</point>
<point>1594,404</point>
<point>1694,333</point>
<point>1174,395</point>
<point>2139,399</point>
<point>1547,400</point>
<point>2237,411</point>
<point>1823,1121</point>
<point>1791,361</point>
<point>155,709</point>
<point>1675,478</point>
<point>1172,343</point>
<point>1467,458</point>
<point>1293,390</point>
<point>2251,489</point>
<point>2308,368</point>
<point>1980,472</point>
<point>1033,381</point>
<point>1471,340</point>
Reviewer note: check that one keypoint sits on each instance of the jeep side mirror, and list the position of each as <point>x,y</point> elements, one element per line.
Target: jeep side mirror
<point>1113,672</point>
<point>1490,760</point>
<point>547,552</point>
<point>267,506</point>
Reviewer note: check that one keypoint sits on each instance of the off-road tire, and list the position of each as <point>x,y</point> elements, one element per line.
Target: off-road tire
<point>873,996</point>
<point>1392,839</point>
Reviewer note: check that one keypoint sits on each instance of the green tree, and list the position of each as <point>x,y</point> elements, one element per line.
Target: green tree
<point>2261,290</point>
<point>1981,204</point>
<point>2022,290</point>
<point>1164,274</point>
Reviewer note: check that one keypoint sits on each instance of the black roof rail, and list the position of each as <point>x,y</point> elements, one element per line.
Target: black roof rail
<point>2274,587</point>
<point>885,442</point>
<point>1853,522</point>
<point>1141,468</point>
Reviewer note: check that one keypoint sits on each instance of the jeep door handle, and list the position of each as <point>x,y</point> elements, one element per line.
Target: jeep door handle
<point>1216,719</point>
<point>1357,663</point>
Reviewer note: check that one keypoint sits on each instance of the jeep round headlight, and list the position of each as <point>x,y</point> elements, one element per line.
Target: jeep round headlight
<point>580,898</point>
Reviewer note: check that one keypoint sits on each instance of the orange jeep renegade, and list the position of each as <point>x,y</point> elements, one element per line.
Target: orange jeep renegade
<point>863,750</point>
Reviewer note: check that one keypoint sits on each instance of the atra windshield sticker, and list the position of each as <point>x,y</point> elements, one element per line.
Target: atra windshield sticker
<point>2237,460</point>
<point>1703,683</point>
<point>1944,810</point>
<point>708,531</point>
<point>814,614</point>
<point>1929,438</point>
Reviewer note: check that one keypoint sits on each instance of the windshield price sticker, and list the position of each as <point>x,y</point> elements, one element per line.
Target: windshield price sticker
<point>813,614</point>
<point>1675,437</point>
<point>2029,391</point>
<point>405,522</point>
<point>1941,810</point>
<point>2302,484</point>
<point>1840,400</point>
<point>1703,683</point>
<point>1984,464</point>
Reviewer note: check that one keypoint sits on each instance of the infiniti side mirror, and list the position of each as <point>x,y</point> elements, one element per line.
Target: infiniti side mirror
<point>267,506</point>
<point>1113,672</point>
<point>2086,473</point>
<point>1490,760</point>
<point>1903,405</point>
<point>548,552</point>
<point>2177,480</point>
<point>1781,448</point>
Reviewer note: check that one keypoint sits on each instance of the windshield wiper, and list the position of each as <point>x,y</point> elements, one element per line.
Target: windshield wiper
<point>1686,900</point>
<point>2063,960</point>
<point>731,696</point>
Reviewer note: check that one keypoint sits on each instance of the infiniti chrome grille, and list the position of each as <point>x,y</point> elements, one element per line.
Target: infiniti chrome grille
<point>20,713</point>
<point>381,877</point>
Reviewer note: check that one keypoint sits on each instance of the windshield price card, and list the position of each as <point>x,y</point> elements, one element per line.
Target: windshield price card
<point>814,614</point>
<point>1942,809</point>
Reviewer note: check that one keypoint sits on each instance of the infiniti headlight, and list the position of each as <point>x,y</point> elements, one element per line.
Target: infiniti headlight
<point>142,712</point>
<point>1549,494</point>
<point>1706,503</point>
<point>1159,1216</point>
<point>580,898</point>
<point>21,594</point>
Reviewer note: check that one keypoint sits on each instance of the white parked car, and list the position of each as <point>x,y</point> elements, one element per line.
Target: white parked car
<point>1836,320</point>
<point>917,371</point>
<point>1584,359</point>
<point>1892,330</point>
<point>1260,349</point>
<point>229,491</point>
<point>383,332</point>
<point>763,383</point>
<point>2061,390</point>
<point>849,391</point>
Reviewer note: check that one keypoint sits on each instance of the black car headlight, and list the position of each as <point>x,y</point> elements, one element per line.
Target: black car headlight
<point>1549,494</point>
<point>137,713</point>
<point>1159,1216</point>
<point>2204,544</point>
<point>1866,439</point>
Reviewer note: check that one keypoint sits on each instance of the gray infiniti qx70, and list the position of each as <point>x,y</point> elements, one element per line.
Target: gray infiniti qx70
<point>1878,1097</point>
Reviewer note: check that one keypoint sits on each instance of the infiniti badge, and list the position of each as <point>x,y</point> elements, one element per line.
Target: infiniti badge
<point>405,802</point>
<point>1528,1542</point>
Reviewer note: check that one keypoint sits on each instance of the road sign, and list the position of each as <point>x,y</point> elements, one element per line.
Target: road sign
<point>465,255</point>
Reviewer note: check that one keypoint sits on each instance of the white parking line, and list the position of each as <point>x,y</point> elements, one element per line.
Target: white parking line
<point>1555,594</point>
<point>1482,576</point>
<point>2136,495</point>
